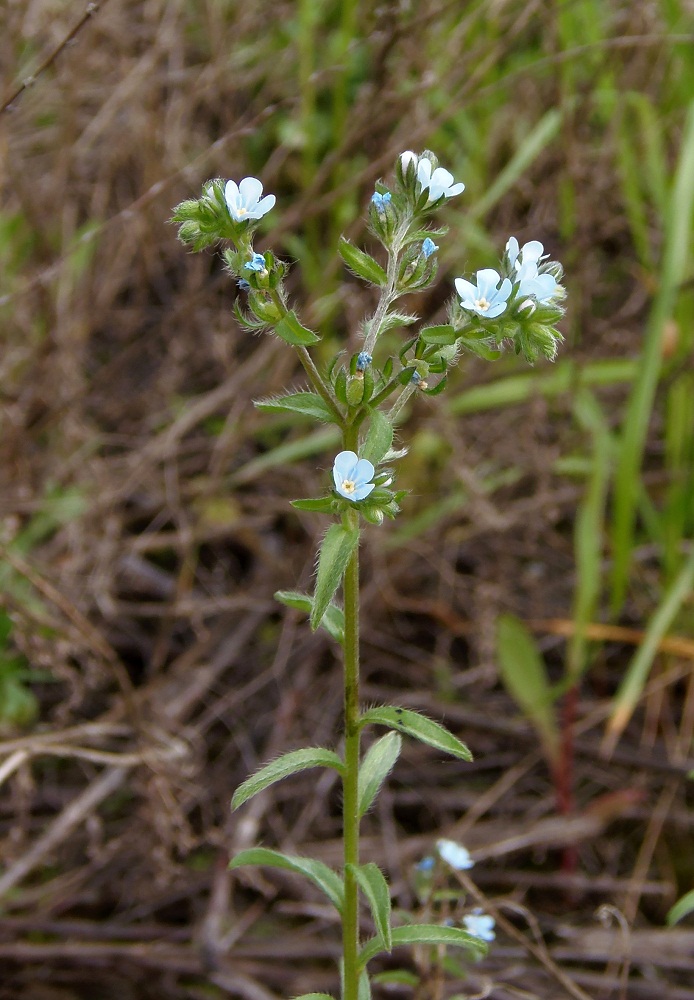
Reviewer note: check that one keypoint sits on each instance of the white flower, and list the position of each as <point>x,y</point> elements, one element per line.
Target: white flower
<point>439,182</point>
<point>530,253</point>
<point>484,297</point>
<point>455,855</point>
<point>480,925</point>
<point>244,200</point>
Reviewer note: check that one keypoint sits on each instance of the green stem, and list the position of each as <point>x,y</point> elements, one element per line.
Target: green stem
<point>350,782</point>
<point>390,292</point>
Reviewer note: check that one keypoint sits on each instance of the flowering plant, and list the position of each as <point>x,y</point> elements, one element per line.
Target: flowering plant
<point>364,396</point>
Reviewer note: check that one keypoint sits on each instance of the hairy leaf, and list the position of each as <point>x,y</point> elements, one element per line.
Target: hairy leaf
<point>325,878</point>
<point>375,768</point>
<point>372,883</point>
<point>338,545</point>
<point>424,934</point>
<point>413,724</point>
<point>333,621</point>
<point>308,404</point>
<point>282,767</point>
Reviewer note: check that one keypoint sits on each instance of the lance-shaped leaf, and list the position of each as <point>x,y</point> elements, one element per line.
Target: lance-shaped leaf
<point>375,768</point>
<point>364,987</point>
<point>282,767</point>
<point>325,878</point>
<point>308,404</point>
<point>333,621</point>
<point>318,505</point>
<point>290,330</point>
<point>413,724</point>
<point>338,545</point>
<point>524,674</point>
<point>424,934</point>
<point>361,263</point>
<point>372,883</point>
<point>379,438</point>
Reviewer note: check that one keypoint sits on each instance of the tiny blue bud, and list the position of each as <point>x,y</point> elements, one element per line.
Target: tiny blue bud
<point>364,359</point>
<point>257,263</point>
<point>243,284</point>
<point>381,200</point>
<point>426,864</point>
<point>416,378</point>
<point>428,248</point>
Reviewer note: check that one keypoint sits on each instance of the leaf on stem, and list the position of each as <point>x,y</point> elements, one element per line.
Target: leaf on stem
<point>325,878</point>
<point>379,437</point>
<point>333,621</point>
<point>290,330</point>
<point>418,726</point>
<point>361,263</point>
<point>375,768</point>
<point>338,545</point>
<point>443,335</point>
<point>424,934</point>
<point>282,767</point>
<point>372,883</point>
<point>308,404</point>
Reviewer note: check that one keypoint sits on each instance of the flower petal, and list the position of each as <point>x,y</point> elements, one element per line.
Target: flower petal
<point>512,249</point>
<point>495,310</point>
<point>363,471</point>
<point>251,189</point>
<point>345,464</point>
<point>532,251</point>
<point>455,189</point>
<point>465,289</point>
<point>263,206</point>
<point>424,172</point>
<point>362,491</point>
<point>487,280</point>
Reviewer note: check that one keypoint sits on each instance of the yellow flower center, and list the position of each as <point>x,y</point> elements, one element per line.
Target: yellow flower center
<point>348,486</point>
<point>482,304</point>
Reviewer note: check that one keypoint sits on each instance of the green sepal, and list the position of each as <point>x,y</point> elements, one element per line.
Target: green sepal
<point>336,550</point>
<point>325,878</point>
<point>387,370</point>
<point>290,330</point>
<point>424,934</point>
<point>282,767</point>
<point>443,335</point>
<point>379,438</point>
<point>437,389</point>
<point>414,724</point>
<point>378,762</point>
<point>333,621</point>
<point>406,348</point>
<point>340,386</point>
<point>361,263</point>
<point>308,404</point>
<point>372,883</point>
<point>354,390</point>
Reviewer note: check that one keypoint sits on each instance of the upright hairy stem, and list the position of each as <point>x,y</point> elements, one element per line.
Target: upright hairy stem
<point>350,789</point>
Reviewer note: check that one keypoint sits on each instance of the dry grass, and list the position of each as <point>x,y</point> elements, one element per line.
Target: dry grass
<point>163,670</point>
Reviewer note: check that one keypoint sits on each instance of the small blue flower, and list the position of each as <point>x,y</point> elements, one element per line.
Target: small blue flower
<point>351,475</point>
<point>542,287</point>
<point>244,201</point>
<point>257,263</point>
<point>484,298</point>
<point>455,855</point>
<point>426,864</point>
<point>480,925</point>
<point>380,201</point>
<point>364,359</point>
<point>428,248</point>
<point>243,285</point>
<point>439,182</point>
<point>415,378</point>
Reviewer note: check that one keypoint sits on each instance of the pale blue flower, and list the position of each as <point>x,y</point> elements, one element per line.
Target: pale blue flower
<point>542,287</point>
<point>381,200</point>
<point>439,182</point>
<point>364,359</point>
<point>244,200</point>
<point>256,263</point>
<point>426,864</point>
<point>428,248</point>
<point>455,855</point>
<point>484,298</point>
<point>480,925</point>
<point>351,475</point>
<point>531,252</point>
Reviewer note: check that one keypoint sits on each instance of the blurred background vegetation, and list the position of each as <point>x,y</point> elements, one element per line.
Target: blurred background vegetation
<point>537,594</point>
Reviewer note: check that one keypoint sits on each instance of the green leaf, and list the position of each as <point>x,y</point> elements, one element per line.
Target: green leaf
<point>314,996</point>
<point>396,977</point>
<point>361,263</point>
<point>308,404</point>
<point>364,987</point>
<point>325,878</point>
<point>525,677</point>
<point>372,883</point>
<point>290,330</point>
<point>437,389</point>
<point>379,438</point>
<point>424,934</point>
<point>338,545</point>
<point>320,505</point>
<point>682,908</point>
<point>282,767</point>
<point>375,768</point>
<point>443,335</point>
<point>333,621</point>
<point>414,724</point>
